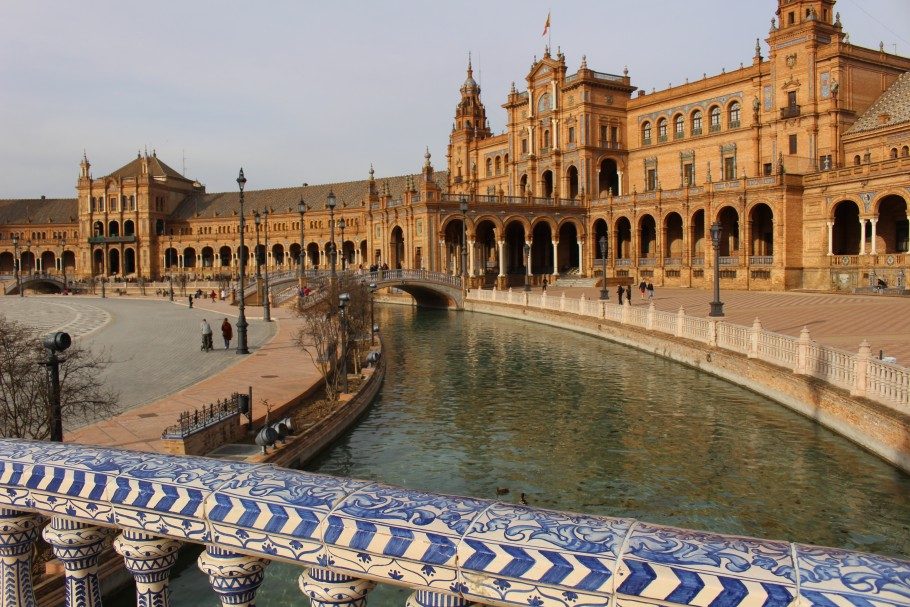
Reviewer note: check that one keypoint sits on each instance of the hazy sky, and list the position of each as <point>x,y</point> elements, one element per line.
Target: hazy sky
<point>299,91</point>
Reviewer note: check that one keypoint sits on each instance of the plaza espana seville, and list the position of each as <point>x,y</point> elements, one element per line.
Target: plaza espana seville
<point>801,158</point>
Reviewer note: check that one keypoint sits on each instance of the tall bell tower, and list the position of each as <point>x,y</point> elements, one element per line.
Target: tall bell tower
<point>470,126</point>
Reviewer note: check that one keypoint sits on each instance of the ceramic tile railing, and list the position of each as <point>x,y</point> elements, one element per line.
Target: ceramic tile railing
<point>349,534</point>
<point>859,373</point>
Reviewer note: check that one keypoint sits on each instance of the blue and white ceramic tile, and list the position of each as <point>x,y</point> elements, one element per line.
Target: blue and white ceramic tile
<point>540,557</point>
<point>838,578</point>
<point>706,570</point>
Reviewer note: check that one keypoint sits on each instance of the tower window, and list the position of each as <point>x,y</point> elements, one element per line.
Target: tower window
<point>792,140</point>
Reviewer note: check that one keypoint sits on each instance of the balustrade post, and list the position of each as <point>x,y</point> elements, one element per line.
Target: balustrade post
<point>712,333</point>
<point>562,301</point>
<point>427,598</point>
<point>581,304</point>
<point>78,546</point>
<point>802,352</point>
<point>327,588</point>
<point>149,558</point>
<point>626,311</point>
<point>680,322</point>
<point>18,533</point>
<point>235,578</point>
<point>860,373</point>
<point>754,338</point>
<point>650,321</point>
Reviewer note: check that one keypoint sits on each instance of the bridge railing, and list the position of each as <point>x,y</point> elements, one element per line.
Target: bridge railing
<point>349,534</point>
<point>860,373</point>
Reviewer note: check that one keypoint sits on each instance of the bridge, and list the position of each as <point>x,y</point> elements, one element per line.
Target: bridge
<point>430,289</point>
<point>44,282</point>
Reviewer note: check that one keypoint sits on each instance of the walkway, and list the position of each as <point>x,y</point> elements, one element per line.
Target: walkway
<point>833,319</point>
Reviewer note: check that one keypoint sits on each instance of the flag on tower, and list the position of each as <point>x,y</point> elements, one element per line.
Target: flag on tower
<point>546,26</point>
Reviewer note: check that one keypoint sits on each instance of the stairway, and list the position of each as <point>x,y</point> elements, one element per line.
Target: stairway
<point>576,281</point>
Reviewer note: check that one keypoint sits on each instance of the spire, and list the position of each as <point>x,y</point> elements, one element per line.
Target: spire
<point>584,62</point>
<point>426,156</point>
<point>470,85</point>
<point>757,49</point>
<point>84,166</point>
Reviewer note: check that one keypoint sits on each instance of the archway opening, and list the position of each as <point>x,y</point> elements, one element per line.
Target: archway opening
<point>697,235</point>
<point>129,261</point>
<point>542,249</point>
<point>608,178</point>
<point>189,257</point>
<point>113,262</point>
<point>312,252</point>
<point>846,229</point>
<point>514,253</point>
<point>729,234</point>
<point>396,246</point>
<point>129,228</point>
<point>893,228</point>
<point>673,224</point>
<point>567,254</point>
<point>623,244</point>
<point>453,236</point>
<point>48,261</point>
<point>113,228</point>
<point>647,241</point>
<point>547,184</point>
<point>572,177</point>
<point>278,254</point>
<point>761,222</point>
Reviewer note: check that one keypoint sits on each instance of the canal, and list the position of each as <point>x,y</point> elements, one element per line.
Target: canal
<point>473,404</point>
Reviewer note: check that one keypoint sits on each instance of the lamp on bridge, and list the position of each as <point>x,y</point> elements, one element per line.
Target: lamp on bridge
<point>241,315</point>
<point>341,226</point>
<point>16,266</point>
<point>463,205</point>
<point>717,306</point>
<point>603,258</point>
<point>266,306</point>
<point>331,204</point>
<point>302,209</point>
<point>63,260</point>
<point>373,327</point>
<point>343,301</point>
<point>527,251</point>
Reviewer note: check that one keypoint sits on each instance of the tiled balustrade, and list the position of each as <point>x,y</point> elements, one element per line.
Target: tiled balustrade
<point>349,534</point>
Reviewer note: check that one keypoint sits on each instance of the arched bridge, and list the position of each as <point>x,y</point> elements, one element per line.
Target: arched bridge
<point>431,289</point>
<point>35,281</point>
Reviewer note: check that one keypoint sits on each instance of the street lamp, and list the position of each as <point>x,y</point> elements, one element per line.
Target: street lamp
<point>241,317</point>
<point>331,204</point>
<point>258,259</point>
<point>717,306</point>
<point>266,305</point>
<point>170,265</point>
<point>63,260</point>
<point>464,241</point>
<point>341,226</point>
<point>16,266</point>
<point>603,257</point>
<point>372,317</point>
<point>343,301</point>
<point>527,250</point>
<point>302,208</point>
<point>55,344</point>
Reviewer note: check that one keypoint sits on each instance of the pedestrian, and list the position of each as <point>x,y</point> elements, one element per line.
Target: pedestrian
<point>227,332</point>
<point>213,295</point>
<point>223,294</point>
<point>544,286</point>
<point>206,336</point>
<point>619,292</point>
<point>642,286</point>
<point>629,295</point>
<point>650,288</point>
<point>191,302</point>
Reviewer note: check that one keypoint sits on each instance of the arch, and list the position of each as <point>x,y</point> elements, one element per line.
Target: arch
<point>363,252</point>
<point>542,248</point>
<point>396,248</point>
<point>129,261</point>
<point>856,160</point>
<point>761,230</point>
<point>905,151</point>
<point>498,165</point>
<point>714,118</point>
<point>208,257</point>
<point>98,228</point>
<point>278,254</point>
<point>546,138</point>
<point>733,114</point>
<point>27,262</point>
<point>113,264</point>
<point>673,228</point>
<point>312,252</point>
<point>697,234</point>
<point>567,253</point>
<point>69,261</point>
<point>647,236</point>
<point>489,167</point>
<point>98,262</point>
<point>728,217</point>
<point>486,254</point>
<point>845,234</point>
<point>523,184</point>
<point>189,257</point>
<point>679,126</point>
<point>646,132</point>
<point>294,251</point>
<point>113,228</point>
<point>129,228</point>
<point>516,233</point>
<point>48,261</point>
<point>622,243</point>
<point>893,154</point>
<point>453,230</point>
<point>608,177</point>
<point>224,256</point>
<point>893,229</point>
<point>547,184</point>
<point>7,263</point>
<point>695,121</point>
<point>572,177</point>
<point>662,129</point>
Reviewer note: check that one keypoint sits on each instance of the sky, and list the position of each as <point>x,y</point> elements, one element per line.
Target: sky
<point>315,92</point>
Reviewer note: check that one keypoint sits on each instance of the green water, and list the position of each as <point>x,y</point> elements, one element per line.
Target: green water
<point>473,402</point>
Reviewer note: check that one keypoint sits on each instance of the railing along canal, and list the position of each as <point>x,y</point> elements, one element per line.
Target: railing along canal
<point>860,373</point>
<point>348,534</point>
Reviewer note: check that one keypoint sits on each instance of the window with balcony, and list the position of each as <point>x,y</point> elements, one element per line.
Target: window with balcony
<point>689,174</point>
<point>614,135</point>
<point>792,144</point>
<point>524,146</point>
<point>646,133</point>
<point>679,126</point>
<point>733,118</point>
<point>714,119</point>
<point>729,168</point>
<point>696,122</point>
<point>603,135</point>
<point>651,180</point>
<point>662,130</point>
<point>571,134</point>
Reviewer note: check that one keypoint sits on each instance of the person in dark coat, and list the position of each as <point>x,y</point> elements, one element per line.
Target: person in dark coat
<point>227,332</point>
<point>629,295</point>
<point>619,292</point>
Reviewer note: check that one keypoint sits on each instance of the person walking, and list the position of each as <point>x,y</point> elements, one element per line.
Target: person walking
<point>206,336</point>
<point>642,286</point>
<point>227,332</point>
<point>619,292</point>
<point>629,295</point>
<point>191,302</point>
<point>544,285</point>
<point>650,289</point>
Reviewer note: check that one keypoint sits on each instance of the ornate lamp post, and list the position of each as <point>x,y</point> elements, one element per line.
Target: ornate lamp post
<point>527,250</point>
<point>63,260</point>
<point>331,204</point>
<point>258,259</point>
<point>717,306</point>
<point>301,208</point>
<point>170,265</point>
<point>266,305</point>
<point>603,258</point>
<point>463,206</point>
<point>16,266</point>
<point>341,226</point>
<point>343,300</point>
<point>241,317</point>
<point>373,326</point>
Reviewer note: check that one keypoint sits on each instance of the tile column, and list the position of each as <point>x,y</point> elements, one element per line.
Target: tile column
<point>327,588</point>
<point>471,258</point>
<point>502,257</point>
<point>830,238</point>
<point>555,244</point>
<point>18,533</point>
<point>78,546</point>
<point>874,221</point>
<point>235,578</point>
<point>581,258</point>
<point>149,559</point>
<point>862,236</point>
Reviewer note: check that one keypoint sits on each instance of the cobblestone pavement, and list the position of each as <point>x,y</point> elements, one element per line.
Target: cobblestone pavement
<point>153,345</point>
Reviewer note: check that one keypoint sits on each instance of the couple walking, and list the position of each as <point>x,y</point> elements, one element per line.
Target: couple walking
<point>227,333</point>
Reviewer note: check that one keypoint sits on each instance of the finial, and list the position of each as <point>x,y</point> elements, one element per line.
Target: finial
<point>513,91</point>
<point>426,156</point>
<point>584,62</point>
<point>371,171</point>
<point>546,50</point>
<point>757,49</point>
<point>138,153</point>
<point>470,68</point>
<point>625,71</point>
<point>837,19</point>
<point>881,47</point>
<point>773,24</point>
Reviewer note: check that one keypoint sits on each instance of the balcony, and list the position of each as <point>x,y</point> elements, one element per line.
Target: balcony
<point>112,239</point>
<point>761,260</point>
<point>715,128</point>
<point>696,131</point>
<point>662,138</point>
<point>672,261</point>
<point>728,260</point>
<point>646,141</point>
<point>734,124</point>
<point>678,135</point>
<point>791,111</point>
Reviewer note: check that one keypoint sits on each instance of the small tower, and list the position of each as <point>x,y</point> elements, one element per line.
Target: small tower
<point>84,167</point>
<point>470,114</point>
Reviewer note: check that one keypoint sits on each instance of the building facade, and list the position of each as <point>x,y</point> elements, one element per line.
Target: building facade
<point>800,157</point>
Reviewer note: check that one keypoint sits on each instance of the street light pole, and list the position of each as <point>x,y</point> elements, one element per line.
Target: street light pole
<point>256,221</point>
<point>341,226</point>
<point>17,265</point>
<point>63,261</point>
<point>343,300</point>
<point>241,317</point>
<point>331,204</point>
<point>527,250</point>
<point>266,305</point>
<point>372,317</point>
<point>301,207</point>
<point>603,255</point>
<point>717,306</point>
<point>463,206</point>
<point>170,265</point>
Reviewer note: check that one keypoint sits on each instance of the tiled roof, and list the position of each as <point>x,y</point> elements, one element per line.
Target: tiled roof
<point>284,200</point>
<point>156,169</point>
<point>893,107</point>
<point>39,211</point>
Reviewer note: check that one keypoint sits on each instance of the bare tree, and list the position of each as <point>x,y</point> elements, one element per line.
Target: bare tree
<point>24,388</point>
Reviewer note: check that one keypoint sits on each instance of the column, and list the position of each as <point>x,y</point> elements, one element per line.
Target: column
<point>528,260</point>
<point>581,258</point>
<point>149,559</point>
<point>470,258</point>
<point>18,532</point>
<point>235,578</point>
<point>619,183</point>
<point>502,257</point>
<point>874,221</point>
<point>427,598</point>
<point>78,546</point>
<point>862,236</point>
<point>327,588</point>
<point>555,244</point>
<point>830,238</point>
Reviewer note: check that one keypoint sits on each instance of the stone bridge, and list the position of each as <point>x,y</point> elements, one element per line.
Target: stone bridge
<point>44,282</point>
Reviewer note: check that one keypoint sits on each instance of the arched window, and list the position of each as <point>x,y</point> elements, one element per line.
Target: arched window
<point>132,203</point>
<point>714,116</point>
<point>905,151</point>
<point>856,160</point>
<point>734,115</point>
<point>546,138</point>
<point>646,133</point>
<point>679,126</point>
<point>696,122</point>
<point>505,162</point>
<point>498,165</point>
<point>489,167</point>
<point>662,129</point>
<point>893,152</point>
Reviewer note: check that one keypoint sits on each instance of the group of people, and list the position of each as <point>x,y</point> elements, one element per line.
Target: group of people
<point>646,288</point>
<point>227,333</point>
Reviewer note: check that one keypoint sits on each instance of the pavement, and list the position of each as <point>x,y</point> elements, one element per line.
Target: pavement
<point>833,319</point>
